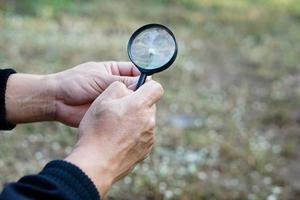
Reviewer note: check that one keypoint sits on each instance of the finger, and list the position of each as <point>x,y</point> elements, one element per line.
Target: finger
<point>127,80</point>
<point>132,84</point>
<point>114,91</point>
<point>123,69</point>
<point>149,93</point>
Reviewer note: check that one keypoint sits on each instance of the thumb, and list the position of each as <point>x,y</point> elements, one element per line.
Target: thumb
<point>149,93</point>
<point>133,85</point>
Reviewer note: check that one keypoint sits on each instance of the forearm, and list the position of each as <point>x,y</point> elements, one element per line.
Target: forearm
<point>99,173</point>
<point>29,98</point>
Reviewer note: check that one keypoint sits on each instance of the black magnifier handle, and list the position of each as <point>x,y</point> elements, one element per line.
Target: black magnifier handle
<point>141,80</point>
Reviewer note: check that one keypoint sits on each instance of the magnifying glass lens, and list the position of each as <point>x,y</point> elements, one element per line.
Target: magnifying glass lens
<point>152,48</point>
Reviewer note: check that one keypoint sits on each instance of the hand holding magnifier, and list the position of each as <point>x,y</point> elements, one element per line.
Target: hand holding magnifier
<point>152,48</point>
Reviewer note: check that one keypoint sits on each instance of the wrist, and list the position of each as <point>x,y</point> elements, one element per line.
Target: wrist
<point>97,170</point>
<point>29,98</point>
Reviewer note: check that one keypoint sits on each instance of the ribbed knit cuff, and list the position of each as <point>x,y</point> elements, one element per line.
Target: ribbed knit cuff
<point>4,74</point>
<point>72,179</point>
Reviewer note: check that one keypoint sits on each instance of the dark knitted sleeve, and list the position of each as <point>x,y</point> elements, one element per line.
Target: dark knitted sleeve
<point>59,180</point>
<point>4,74</point>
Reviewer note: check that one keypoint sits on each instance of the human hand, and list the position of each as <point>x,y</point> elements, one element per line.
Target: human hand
<point>116,133</point>
<point>64,96</point>
<point>78,87</point>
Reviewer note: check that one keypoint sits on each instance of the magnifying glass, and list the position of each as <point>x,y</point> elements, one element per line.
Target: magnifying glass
<point>152,48</point>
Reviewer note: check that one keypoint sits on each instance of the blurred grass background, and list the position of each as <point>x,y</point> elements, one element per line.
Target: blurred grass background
<point>228,125</point>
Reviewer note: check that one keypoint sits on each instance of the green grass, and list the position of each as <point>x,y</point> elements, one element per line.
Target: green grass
<point>228,125</point>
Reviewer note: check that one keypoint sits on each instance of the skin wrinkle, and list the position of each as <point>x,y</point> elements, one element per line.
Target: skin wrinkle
<point>130,133</point>
<point>115,123</point>
<point>32,95</point>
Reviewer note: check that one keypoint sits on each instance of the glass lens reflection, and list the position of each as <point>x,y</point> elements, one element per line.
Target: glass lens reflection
<point>152,48</point>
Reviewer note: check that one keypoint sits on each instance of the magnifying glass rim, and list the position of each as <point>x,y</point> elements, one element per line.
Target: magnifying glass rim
<point>158,69</point>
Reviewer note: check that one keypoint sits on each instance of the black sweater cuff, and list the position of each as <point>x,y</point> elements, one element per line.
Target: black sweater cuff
<point>59,180</point>
<point>4,74</point>
<point>72,179</point>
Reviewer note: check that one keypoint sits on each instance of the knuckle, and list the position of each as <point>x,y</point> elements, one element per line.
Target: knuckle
<point>159,90</point>
<point>152,123</point>
<point>112,63</point>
